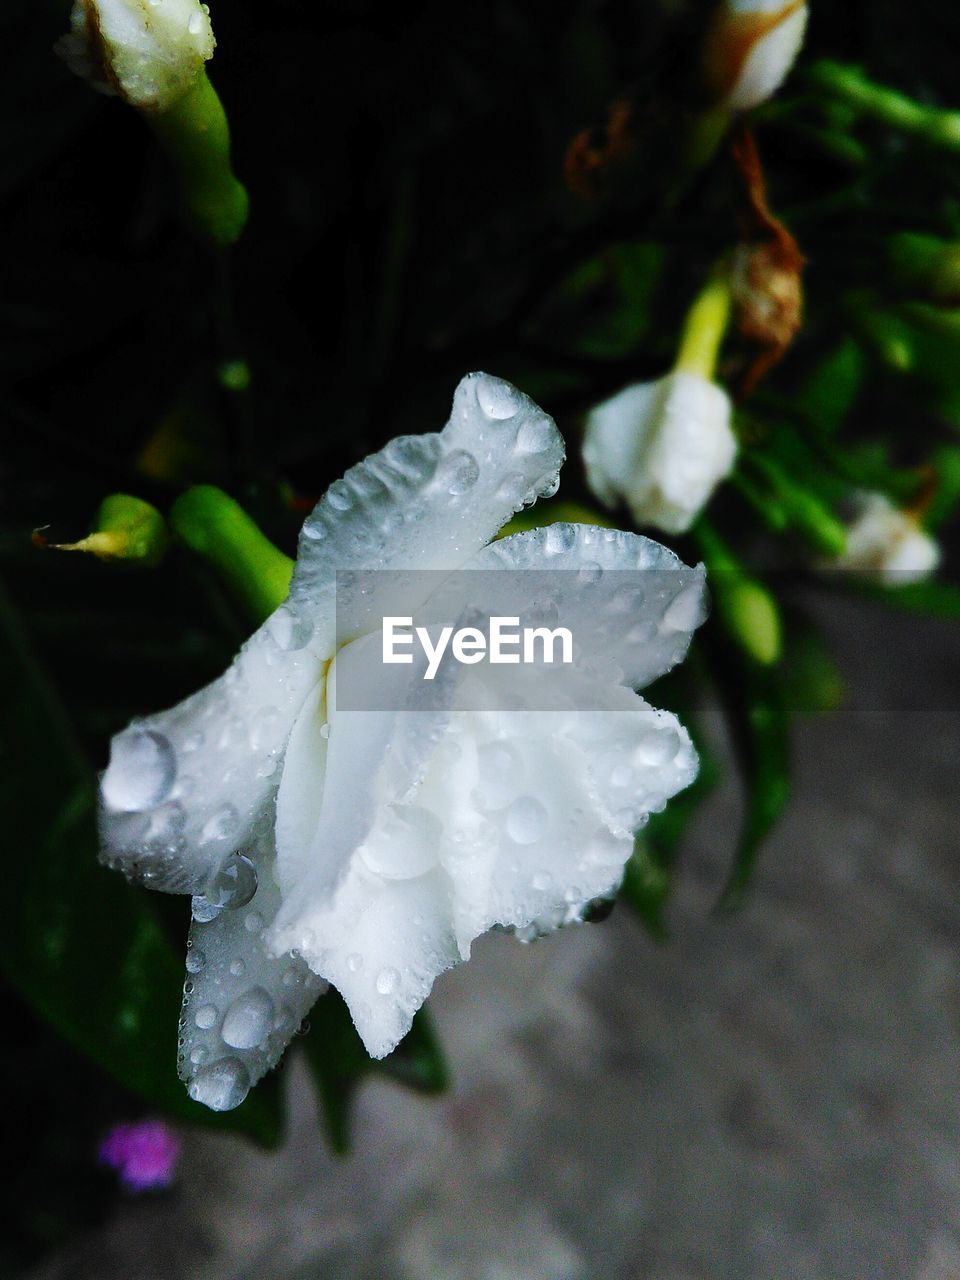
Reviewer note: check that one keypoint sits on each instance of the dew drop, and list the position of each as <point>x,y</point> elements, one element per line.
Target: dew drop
<point>683,612</point>
<point>202,910</point>
<point>535,435</point>
<point>198,1055</point>
<point>195,960</point>
<point>253,922</point>
<point>206,1017</point>
<point>290,628</point>
<point>526,820</point>
<point>590,573</point>
<point>141,770</point>
<point>221,1086</point>
<point>497,399</point>
<point>339,496</point>
<point>355,962</point>
<point>388,980</point>
<point>658,747</point>
<point>221,825</point>
<point>238,968</point>
<point>560,538</point>
<point>195,24</point>
<point>458,472</point>
<point>234,884</point>
<point>248,1020</point>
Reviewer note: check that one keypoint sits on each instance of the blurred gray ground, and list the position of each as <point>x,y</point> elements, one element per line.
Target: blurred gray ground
<point>773,1097</point>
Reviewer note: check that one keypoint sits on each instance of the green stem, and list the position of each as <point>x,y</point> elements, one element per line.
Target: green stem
<point>195,134</point>
<point>940,128</point>
<point>217,528</point>
<point>704,328</point>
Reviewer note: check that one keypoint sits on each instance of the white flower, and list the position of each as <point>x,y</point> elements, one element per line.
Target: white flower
<point>751,47</point>
<point>369,848</point>
<point>663,447</point>
<point>887,544</point>
<point>147,51</point>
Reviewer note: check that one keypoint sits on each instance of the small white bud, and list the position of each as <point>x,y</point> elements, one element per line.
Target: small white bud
<point>662,447</point>
<point>751,47</point>
<point>887,544</point>
<point>147,51</point>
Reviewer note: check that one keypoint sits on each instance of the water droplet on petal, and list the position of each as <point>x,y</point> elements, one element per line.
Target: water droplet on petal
<point>388,980</point>
<point>198,1055</point>
<point>526,820</point>
<point>458,472</point>
<point>238,968</point>
<point>234,884</point>
<point>221,1086</point>
<point>195,24</point>
<point>339,496</point>
<point>206,1017</point>
<point>404,844</point>
<point>560,538</point>
<point>141,770</point>
<point>497,399</point>
<point>249,1019</point>
<point>355,962</point>
<point>253,922</point>
<point>658,747</point>
<point>221,825</point>
<point>202,910</point>
<point>290,628</point>
<point>535,435</point>
<point>684,611</point>
<point>195,960</point>
<point>590,573</point>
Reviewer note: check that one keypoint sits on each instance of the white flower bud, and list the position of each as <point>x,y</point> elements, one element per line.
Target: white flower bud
<point>147,51</point>
<point>661,446</point>
<point>751,47</point>
<point>887,544</point>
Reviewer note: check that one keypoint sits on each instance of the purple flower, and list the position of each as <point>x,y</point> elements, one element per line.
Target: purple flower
<point>144,1154</point>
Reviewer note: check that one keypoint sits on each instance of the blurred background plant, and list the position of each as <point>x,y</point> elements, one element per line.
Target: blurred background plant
<point>535,191</point>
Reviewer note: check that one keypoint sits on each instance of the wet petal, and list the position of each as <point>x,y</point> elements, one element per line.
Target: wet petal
<point>184,787</point>
<point>424,502</point>
<point>241,1004</point>
<point>623,596</point>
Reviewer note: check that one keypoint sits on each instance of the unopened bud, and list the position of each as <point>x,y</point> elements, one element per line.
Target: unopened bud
<point>126,528</point>
<point>751,46</point>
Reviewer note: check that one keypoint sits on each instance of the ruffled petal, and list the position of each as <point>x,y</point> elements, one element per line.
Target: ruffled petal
<point>241,1004</point>
<point>520,817</point>
<point>622,596</point>
<point>184,787</point>
<point>423,502</point>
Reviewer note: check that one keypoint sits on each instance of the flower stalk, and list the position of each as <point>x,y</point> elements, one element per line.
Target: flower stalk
<point>196,136</point>
<point>217,528</point>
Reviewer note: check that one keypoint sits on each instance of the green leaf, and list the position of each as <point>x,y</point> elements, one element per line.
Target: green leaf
<point>82,946</point>
<point>756,713</point>
<point>340,1063</point>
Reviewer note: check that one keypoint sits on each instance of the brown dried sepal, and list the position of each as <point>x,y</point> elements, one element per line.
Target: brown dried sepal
<point>594,152</point>
<point>767,269</point>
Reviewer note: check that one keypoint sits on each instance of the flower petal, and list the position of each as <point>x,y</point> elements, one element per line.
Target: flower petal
<point>241,1004</point>
<point>184,787</point>
<point>520,817</point>
<point>623,596</point>
<point>425,502</point>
